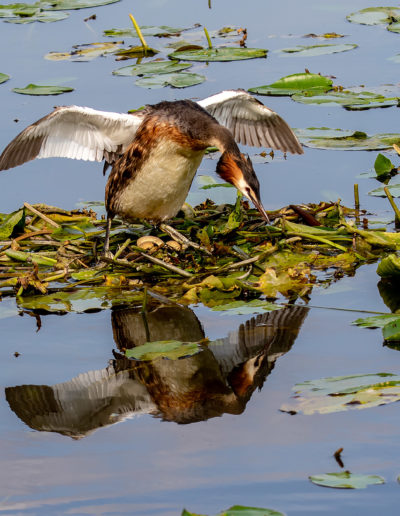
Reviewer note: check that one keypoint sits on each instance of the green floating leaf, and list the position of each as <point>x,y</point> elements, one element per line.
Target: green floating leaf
<point>383,166</point>
<point>376,321</point>
<point>219,54</point>
<point>34,89</point>
<point>318,50</point>
<point>171,349</point>
<point>12,223</point>
<point>241,510</point>
<point>85,52</point>
<point>348,99</point>
<point>295,83</point>
<point>374,15</point>
<point>244,308</point>
<point>176,80</point>
<point>380,192</point>
<point>154,67</point>
<point>147,30</point>
<point>4,77</point>
<point>340,393</point>
<point>346,480</point>
<point>326,138</point>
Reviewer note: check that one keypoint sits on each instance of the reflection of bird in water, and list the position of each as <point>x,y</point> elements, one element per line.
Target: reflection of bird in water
<point>155,152</point>
<point>221,379</point>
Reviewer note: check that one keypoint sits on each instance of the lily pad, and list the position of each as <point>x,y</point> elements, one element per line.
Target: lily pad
<point>318,50</point>
<point>219,54</point>
<point>4,77</point>
<point>78,4</point>
<point>376,321</point>
<point>341,393</point>
<point>348,99</point>
<point>39,16</point>
<point>295,83</point>
<point>147,30</point>
<point>380,192</point>
<point>176,80</point>
<point>243,308</point>
<point>326,138</point>
<point>240,510</point>
<point>171,349</point>
<point>34,89</point>
<point>394,27</point>
<point>153,67</point>
<point>346,480</point>
<point>374,15</point>
<point>85,52</point>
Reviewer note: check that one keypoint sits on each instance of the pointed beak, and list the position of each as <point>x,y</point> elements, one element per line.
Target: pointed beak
<point>259,206</point>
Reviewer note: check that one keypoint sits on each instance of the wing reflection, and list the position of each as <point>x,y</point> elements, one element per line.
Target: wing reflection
<point>218,380</point>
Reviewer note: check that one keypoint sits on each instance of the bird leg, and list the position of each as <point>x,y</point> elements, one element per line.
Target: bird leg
<point>178,237</point>
<point>106,249</point>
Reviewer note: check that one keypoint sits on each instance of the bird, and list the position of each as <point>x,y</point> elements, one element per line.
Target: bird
<point>155,152</point>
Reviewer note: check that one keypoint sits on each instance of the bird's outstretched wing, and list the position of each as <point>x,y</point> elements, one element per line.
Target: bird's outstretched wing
<point>250,122</point>
<point>73,132</point>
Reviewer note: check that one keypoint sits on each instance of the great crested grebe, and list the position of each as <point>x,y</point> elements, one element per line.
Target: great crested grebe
<point>156,151</point>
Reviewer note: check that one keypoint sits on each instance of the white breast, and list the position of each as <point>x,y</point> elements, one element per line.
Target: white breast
<point>160,188</point>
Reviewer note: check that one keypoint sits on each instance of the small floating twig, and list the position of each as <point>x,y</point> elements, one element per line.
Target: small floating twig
<point>39,214</point>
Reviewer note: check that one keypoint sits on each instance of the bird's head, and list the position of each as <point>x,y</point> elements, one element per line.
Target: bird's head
<point>237,169</point>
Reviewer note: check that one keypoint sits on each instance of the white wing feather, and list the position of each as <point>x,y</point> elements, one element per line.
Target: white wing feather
<point>73,132</point>
<point>250,122</point>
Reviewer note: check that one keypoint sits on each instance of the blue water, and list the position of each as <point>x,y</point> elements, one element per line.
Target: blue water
<point>260,457</point>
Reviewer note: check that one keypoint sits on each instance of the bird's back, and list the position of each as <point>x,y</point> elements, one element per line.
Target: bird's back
<point>152,179</point>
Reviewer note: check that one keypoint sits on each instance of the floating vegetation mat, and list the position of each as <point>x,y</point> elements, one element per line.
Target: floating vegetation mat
<point>51,259</point>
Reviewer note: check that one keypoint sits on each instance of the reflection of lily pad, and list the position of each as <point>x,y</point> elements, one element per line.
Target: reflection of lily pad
<point>171,349</point>
<point>346,480</point>
<point>318,50</point>
<point>374,15</point>
<point>147,30</point>
<point>295,83</point>
<point>4,77</point>
<point>325,138</point>
<point>347,99</point>
<point>176,80</point>
<point>244,308</point>
<point>154,67</point>
<point>85,52</point>
<point>80,300</point>
<point>340,393</point>
<point>34,89</point>
<point>219,54</point>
